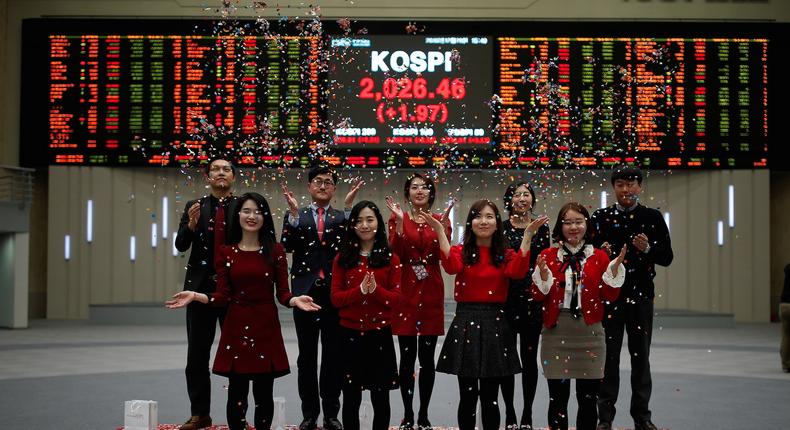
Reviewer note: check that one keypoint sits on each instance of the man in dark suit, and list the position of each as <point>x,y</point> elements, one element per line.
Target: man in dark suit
<point>202,228</point>
<point>313,234</point>
<point>644,232</point>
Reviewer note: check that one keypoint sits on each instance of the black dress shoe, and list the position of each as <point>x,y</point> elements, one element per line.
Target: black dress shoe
<point>424,424</point>
<point>196,422</point>
<point>525,427</point>
<point>645,425</point>
<point>308,424</point>
<point>332,424</point>
<point>603,425</point>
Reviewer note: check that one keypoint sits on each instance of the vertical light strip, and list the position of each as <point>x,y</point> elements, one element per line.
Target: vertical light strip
<point>165,213</point>
<point>89,223</point>
<point>452,222</point>
<point>460,234</point>
<point>67,247</point>
<point>604,202</point>
<point>175,250</point>
<point>153,235</point>
<point>720,233</point>
<point>132,248</point>
<point>731,205</point>
<point>666,221</point>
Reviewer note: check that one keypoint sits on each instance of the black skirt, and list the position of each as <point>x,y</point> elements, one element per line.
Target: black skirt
<point>369,359</point>
<point>479,343</point>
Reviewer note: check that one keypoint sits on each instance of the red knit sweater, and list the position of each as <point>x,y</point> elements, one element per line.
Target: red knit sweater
<point>483,282</point>
<point>371,311</point>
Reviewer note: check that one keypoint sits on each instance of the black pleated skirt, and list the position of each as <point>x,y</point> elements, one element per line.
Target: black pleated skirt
<point>369,359</point>
<point>479,343</point>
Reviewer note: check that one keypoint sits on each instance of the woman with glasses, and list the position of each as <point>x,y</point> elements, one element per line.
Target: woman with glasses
<point>418,319</point>
<point>250,274</point>
<point>574,280</point>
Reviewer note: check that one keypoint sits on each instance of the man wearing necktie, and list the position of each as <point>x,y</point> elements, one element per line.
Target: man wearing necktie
<point>313,234</point>
<point>202,228</point>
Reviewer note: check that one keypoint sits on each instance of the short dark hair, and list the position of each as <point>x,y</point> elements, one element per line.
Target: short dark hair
<point>207,167</point>
<point>627,173</point>
<point>511,191</point>
<point>321,170</point>
<point>428,181</point>
<point>556,233</point>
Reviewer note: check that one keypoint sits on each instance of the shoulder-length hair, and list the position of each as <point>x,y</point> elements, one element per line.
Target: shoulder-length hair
<point>349,249</point>
<point>511,191</point>
<point>428,183</point>
<point>556,233</point>
<point>266,235</point>
<point>470,252</point>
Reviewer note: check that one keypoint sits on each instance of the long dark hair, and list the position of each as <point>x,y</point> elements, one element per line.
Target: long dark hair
<point>349,249</point>
<point>511,191</point>
<point>471,253</point>
<point>266,235</point>
<point>556,234</point>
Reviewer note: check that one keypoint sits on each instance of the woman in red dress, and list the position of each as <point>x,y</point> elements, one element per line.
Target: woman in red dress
<point>365,286</point>
<point>251,347</point>
<point>419,317</point>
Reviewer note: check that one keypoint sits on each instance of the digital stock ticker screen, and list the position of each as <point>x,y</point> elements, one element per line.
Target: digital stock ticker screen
<point>168,93</point>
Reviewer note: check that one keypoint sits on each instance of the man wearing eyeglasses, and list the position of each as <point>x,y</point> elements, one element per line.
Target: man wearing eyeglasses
<point>202,228</point>
<point>313,234</point>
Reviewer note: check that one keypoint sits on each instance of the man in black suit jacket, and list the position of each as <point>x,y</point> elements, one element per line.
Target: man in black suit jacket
<point>197,230</point>
<point>313,234</point>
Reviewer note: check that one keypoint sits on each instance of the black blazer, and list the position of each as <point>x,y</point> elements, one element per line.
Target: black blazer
<point>200,269</point>
<point>309,254</point>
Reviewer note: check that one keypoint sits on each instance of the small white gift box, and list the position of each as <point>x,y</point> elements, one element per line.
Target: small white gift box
<point>140,415</point>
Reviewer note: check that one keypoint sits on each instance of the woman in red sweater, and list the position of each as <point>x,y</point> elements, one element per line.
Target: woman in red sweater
<point>365,286</point>
<point>574,280</point>
<point>418,318</point>
<point>251,347</point>
<point>479,347</point>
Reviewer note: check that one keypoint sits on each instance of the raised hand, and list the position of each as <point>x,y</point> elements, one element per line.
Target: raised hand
<point>371,282</point>
<point>194,213</point>
<point>305,303</point>
<point>606,246</point>
<point>394,207</point>
<point>180,299</point>
<point>543,269</point>
<point>293,205</point>
<point>619,260</point>
<point>445,219</point>
<point>640,242</point>
<point>533,227</point>
<point>364,285</point>
<point>427,218</point>
<point>352,194</point>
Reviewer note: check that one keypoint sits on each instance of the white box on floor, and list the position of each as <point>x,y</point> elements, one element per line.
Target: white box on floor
<point>278,419</point>
<point>140,415</point>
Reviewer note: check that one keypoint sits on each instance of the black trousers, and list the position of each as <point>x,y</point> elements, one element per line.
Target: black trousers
<point>310,327</point>
<point>634,317</point>
<point>410,348</point>
<point>487,389</point>
<point>201,328</point>
<point>263,393</point>
<point>586,395</point>
<point>528,350</point>
<point>352,399</point>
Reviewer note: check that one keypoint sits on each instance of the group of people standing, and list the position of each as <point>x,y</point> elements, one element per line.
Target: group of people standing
<point>355,285</point>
